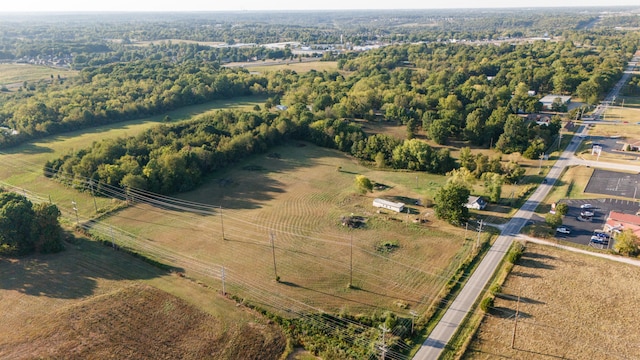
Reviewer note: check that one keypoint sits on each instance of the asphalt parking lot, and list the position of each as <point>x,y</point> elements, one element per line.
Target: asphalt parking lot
<point>581,231</point>
<point>614,183</point>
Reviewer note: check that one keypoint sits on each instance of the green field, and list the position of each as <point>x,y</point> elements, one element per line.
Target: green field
<point>19,73</point>
<point>25,162</point>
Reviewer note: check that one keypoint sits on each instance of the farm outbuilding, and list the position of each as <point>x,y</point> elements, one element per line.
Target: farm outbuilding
<point>389,205</point>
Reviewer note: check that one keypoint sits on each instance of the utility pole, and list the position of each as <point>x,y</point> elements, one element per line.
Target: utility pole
<point>479,232</point>
<point>466,227</point>
<point>413,317</point>
<point>416,181</point>
<point>351,262</point>
<point>273,251</point>
<point>383,345</point>
<point>222,276</point>
<point>113,242</point>
<point>75,208</point>
<point>559,138</point>
<point>93,195</point>
<point>540,164</point>
<point>515,324</point>
<point>221,223</point>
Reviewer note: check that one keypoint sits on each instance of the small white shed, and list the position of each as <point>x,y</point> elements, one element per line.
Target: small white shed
<point>389,205</point>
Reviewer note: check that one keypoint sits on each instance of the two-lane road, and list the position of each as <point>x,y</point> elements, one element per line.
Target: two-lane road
<point>453,317</point>
<point>442,333</point>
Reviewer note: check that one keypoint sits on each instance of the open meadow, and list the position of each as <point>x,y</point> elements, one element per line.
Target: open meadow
<point>17,74</point>
<point>90,301</point>
<point>288,207</point>
<point>293,65</point>
<point>572,306</point>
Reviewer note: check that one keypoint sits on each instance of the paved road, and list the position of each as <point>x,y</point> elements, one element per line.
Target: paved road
<point>442,333</point>
<point>432,347</point>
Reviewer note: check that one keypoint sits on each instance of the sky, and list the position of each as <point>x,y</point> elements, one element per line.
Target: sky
<point>226,5</point>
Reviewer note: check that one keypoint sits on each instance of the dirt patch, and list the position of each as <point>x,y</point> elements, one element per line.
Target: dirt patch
<point>572,306</point>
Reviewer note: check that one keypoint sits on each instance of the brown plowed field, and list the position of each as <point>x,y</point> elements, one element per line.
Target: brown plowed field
<point>90,302</point>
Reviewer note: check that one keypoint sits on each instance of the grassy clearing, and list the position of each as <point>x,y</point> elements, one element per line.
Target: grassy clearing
<point>90,301</point>
<point>391,128</point>
<point>571,185</point>
<point>300,198</point>
<point>299,67</point>
<point>630,131</point>
<point>619,113</point>
<point>571,306</point>
<point>630,101</point>
<point>19,73</point>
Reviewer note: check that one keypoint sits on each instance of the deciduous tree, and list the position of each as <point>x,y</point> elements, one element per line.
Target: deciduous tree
<point>627,243</point>
<point>450,201</point>
<point>363,184</point>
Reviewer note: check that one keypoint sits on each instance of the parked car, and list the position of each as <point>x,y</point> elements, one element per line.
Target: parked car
<point>598,240</point>
<point>583,218</point>
<point>586,213</point>
<point>563,230</point>
<point>601,234</point>
<point>585,206</point>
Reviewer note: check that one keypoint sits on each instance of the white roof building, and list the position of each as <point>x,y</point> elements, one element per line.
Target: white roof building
<point>547,101</point>
<point>389,205</point>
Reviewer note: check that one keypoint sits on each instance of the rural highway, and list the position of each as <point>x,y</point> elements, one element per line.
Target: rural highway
<point>438,339</point>
<point>442,333</point>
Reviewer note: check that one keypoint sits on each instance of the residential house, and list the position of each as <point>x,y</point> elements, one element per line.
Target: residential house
<point>476,202</point>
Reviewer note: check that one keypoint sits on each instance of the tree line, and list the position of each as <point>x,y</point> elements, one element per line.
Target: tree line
<point>174,158</point>
<point>118,92</point>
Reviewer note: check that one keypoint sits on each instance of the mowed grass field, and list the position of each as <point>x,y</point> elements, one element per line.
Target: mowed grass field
<point>296,196</point>
<point>90,301</point>
<point>19,73</point>
<point>572,306</point>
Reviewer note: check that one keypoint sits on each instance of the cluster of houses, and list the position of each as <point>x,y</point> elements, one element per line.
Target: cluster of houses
<point>47,60</point>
